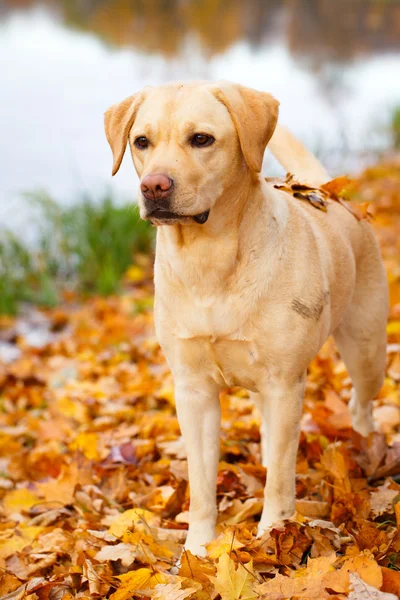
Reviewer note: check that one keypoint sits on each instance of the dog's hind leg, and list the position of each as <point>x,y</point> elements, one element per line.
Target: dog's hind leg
<point>361,339</point>
<point>259,402</point>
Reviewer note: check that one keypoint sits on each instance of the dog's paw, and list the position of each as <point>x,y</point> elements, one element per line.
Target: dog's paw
<point>262,528</point>
<point>361,418</point>
<point>268,522</point>
<point>198,538</point>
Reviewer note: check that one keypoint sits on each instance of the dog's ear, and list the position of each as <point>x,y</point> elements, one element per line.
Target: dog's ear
<point>118,121</point>
<point>254,115</point>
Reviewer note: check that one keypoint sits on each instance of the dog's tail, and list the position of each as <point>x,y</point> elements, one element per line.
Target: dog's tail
<point>296,159</point>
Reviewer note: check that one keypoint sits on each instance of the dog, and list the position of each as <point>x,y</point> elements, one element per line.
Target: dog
<point>249,281</point>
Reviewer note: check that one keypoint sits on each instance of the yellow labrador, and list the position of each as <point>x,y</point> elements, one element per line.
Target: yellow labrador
<point>249,281</point>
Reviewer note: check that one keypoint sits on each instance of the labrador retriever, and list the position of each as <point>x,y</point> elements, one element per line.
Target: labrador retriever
<point>249,281</point>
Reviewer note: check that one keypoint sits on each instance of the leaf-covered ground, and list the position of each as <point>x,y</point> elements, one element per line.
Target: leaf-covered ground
<point>93,476</point>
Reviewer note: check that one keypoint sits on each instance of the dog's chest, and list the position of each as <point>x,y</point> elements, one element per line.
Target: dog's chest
<point>212,316</point>
<point>216,338</point>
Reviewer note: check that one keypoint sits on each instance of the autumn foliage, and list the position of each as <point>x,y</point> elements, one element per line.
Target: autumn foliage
<point>94,494</point>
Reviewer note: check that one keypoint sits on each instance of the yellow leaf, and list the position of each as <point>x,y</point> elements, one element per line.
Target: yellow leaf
<point>87,443</point>
<point>366,567</point>
<point>73,409</point>
<point>393,327</point>
<point>147,542</point>
<point>167,393</point>
<point>11,546</point>
<point>15,540</point>
<point>127,519</point>
<point>30,532</point>
<point>224,543</point>
<point>134,273</point>
<point>232,583</point>
<point>137,580</point>
<point>333,461</point>
<point>19,500</point>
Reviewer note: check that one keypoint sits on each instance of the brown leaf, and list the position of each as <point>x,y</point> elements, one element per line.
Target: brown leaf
<point>312,508</point>
<point>198,569</point>
<point>391,581</point>
<point>337,186</point>
<point>24,567</point>
<point>381,499</point>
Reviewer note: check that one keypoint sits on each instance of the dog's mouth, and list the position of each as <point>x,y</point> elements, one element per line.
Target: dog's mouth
<point>202,217</point>
<point>160,215</point>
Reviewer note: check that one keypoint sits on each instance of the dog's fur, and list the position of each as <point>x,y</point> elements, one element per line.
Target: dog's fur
<point>248,298</point>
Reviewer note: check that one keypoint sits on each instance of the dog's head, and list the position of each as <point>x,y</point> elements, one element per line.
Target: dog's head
<point>190,143</point>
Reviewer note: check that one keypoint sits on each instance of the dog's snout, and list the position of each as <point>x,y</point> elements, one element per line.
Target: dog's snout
<point>157,186</point>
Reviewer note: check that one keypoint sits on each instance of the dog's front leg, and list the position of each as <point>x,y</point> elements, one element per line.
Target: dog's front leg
<point>282,408</point>
<point>199,417</point>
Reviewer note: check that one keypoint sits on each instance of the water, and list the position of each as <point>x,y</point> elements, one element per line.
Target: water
<point>334,67</point>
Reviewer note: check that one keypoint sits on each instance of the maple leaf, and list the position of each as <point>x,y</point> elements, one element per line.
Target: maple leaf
<point>137,580</point>
<point>381,500</point>
<point>124,521</point>
<point>88,444</point>
<point>61,489</point>
<point>223,544</point>
<point>196,568</point>
<point>234,583</point>
<point>19,500</point>
<point>337,186</point>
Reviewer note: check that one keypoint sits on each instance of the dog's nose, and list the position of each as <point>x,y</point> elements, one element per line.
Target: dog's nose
<point>157,186</point>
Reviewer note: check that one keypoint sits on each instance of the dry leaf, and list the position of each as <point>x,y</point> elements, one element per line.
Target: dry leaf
<point>225,543</point>
<point>234,583</point>
<point>362,591</point>
<point>137,580</point>
<point>172,591</point>
<point>134,516</point>
<point>391,581</point>
<point>381,499</point>
<point>123,552</point>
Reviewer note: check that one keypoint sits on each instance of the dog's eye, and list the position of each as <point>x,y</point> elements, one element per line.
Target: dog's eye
<point>200,140</point>
<point>141,142</point>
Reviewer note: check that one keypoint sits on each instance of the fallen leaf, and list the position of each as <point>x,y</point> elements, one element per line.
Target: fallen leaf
<point>312,508</point>
<point>198,569</point>
<point>137,580</point>
<point>18,501</point>
<point>381,499</point>
<point>123,552</point>
<point>362,591</point>
<point>234,583</point>
<point>124,521</point>
<point>225,543</point>
<point>391,581</point>
<point>88,444</point>
<point>172,591</point>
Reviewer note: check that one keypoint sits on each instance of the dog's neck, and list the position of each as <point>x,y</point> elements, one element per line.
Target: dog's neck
<point>214,250</point>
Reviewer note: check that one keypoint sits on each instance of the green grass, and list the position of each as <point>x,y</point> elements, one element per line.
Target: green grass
<point>396,128</point>
<point>85,247</point>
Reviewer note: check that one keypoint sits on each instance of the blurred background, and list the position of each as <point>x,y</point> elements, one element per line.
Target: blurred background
<point>334,66</point>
